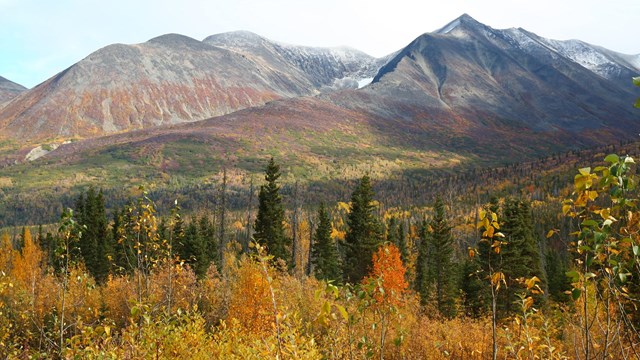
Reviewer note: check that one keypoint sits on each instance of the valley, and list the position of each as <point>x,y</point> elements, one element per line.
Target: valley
<point>470,195</point>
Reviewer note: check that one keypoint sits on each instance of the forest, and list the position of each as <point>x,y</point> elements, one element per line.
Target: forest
<point>490,264</point>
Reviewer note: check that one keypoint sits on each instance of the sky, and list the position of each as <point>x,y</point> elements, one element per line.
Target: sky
<point>39,38</point>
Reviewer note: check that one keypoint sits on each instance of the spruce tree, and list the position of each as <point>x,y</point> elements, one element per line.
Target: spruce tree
<point>269,225</point>
<point>442,260</point>
<point>193,250</point>
<point>208,233</point>
<point>325,257</point>
<point>94,244</point>
<point>521,255</point>
<point>422,281</point>
<point>364,234</point>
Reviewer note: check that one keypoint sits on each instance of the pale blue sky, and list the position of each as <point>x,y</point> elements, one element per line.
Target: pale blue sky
<point>41,38</point>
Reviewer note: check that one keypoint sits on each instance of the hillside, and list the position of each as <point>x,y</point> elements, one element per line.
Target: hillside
<point>167,80</point>
<point>9,90</point>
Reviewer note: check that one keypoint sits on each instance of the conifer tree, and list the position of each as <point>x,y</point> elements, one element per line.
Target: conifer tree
<point>422,281</point>
<point>521,259</point>
<point>269,225</point>
<point>325,257</point>
<point>442,262</point>
<point>193,250</point>
<point>364,234</point>
<point>207,231</point>
<point>94,244</point>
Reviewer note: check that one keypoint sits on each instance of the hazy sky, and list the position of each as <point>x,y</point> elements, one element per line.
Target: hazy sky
<point>41,38</point>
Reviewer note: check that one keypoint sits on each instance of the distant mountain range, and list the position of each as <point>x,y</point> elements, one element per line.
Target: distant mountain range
<point>172,79</point>
<point>9,90</point>
<point>466,89</point>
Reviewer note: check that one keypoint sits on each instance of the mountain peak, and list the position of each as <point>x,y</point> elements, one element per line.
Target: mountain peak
<point>464,20</point>
<point>177,40</point>
<point>9,89</point>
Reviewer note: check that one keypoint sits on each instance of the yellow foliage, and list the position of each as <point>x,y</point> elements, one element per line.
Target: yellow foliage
<point>251,301</point>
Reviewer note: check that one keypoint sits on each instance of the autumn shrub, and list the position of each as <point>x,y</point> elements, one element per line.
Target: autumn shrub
<point>119,296</point>
<point>457,338</point>
<point>172,286</point>
<point>214,295</point>
<point>83,301</point>
<point>251,302</point>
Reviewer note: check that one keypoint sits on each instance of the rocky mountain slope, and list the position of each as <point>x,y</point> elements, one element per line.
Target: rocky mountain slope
<point>467,94</point>
<point>167,80</point>
<point>326,68</point>
<point>9,90</point>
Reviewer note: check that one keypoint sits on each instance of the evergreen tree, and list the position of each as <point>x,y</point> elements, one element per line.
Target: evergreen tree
<point>473,289</point>
<point>364,234</point>
<point>208,233</point>
<point>422,282</point>
<point>392,231</point>
<point>521,255</point>
<point>193,250</point>
<point>324,253</point>
<point>556,268</point>
<point>269,225</point>
<point>442,260</point>
<point>94,244</point>
<point>402,245</point>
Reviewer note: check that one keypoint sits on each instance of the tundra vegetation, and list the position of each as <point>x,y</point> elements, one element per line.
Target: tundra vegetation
<point>517,277</point>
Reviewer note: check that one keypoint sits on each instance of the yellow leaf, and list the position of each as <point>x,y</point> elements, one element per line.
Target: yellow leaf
<point>593,195</point>
<point>532,282</point>
<point>550,233</point>
<point>585,171</point>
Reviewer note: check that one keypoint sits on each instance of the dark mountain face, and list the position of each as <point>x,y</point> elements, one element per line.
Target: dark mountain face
<point>9,90</point>
<point>505,78</point>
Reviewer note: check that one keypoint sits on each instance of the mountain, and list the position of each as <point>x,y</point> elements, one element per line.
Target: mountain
<point>327,68</point>
<point>169,79</point>
<point>466,95</point>
<point>506,79</point>
<point>9,90</point>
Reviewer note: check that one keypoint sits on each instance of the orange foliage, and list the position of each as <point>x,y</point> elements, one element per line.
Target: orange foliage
<point>172,287</point>
<point>389,270</point>
<point>119,295</point>
<point>27,266</point>
<point>6,253</point>
<point>251,299</point>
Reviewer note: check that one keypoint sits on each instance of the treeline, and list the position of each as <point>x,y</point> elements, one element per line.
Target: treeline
<point>536,180</point>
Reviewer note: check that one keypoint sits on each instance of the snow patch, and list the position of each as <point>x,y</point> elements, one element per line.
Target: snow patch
<point>364,82</point>
<point>452,25</point>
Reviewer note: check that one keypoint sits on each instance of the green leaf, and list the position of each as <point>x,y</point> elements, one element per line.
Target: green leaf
<point>575,294</point>
<point>589,275</point>
<point>636,81</point>
<point>612,158</point>
<point>573,275</point>
<point>637,104</point>
<point>590,223</point>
